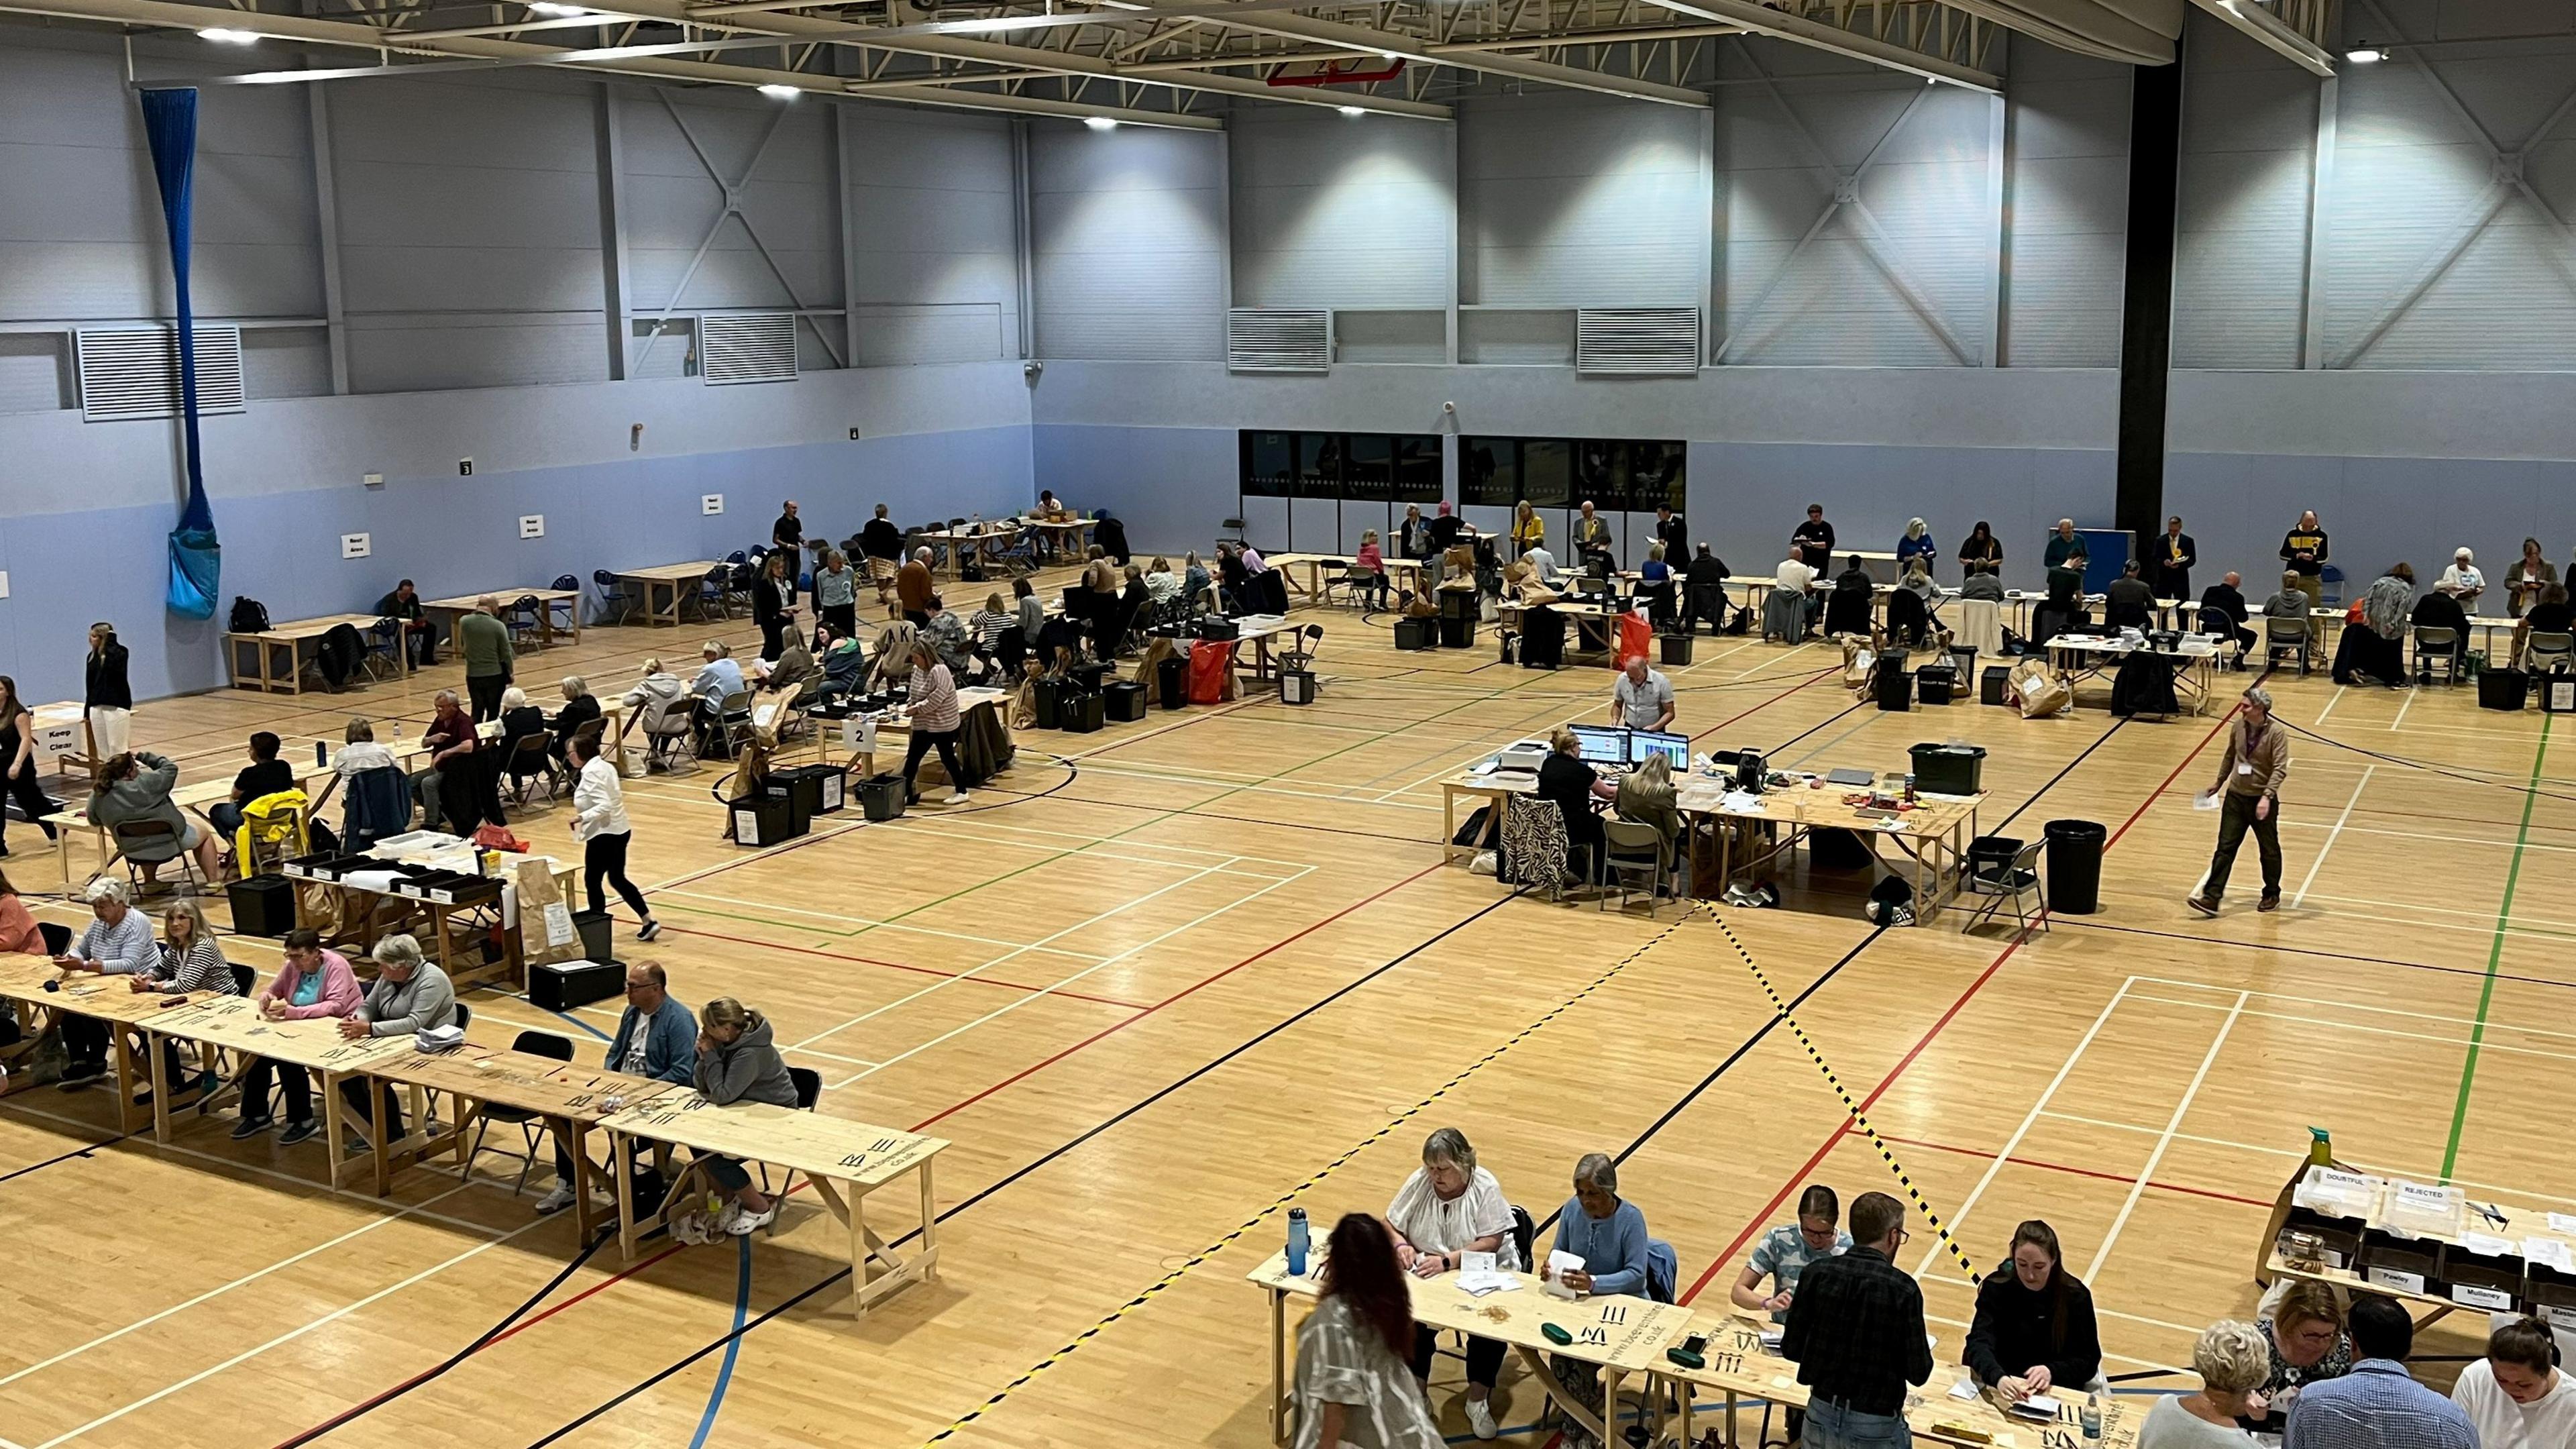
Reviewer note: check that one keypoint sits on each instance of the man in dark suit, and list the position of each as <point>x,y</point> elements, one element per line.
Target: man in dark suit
<point>2169,560</point>
<point>1672,534</point>
<point>2224,597</point>
<point>1703,589</point>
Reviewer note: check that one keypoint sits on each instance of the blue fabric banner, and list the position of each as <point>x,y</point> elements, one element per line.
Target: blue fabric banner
<point>196,560</point>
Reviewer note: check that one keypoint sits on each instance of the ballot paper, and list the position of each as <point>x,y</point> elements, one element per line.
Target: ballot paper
<point>2562,1223</point>
<point>2487,1245</point>
<point>1560,1263</point>
<point>1963,1387</point>
<point>2549,1253</point>
<point>2037,1406</point>
<point>1477,1276</point>
<point>1742,802</point>
<point>2205,802</point>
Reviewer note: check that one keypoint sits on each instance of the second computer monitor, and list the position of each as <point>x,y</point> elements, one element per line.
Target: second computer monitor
<point>1674,748</point>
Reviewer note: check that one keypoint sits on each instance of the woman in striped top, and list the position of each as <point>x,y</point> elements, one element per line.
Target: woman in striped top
<point>934,725</point>
<point>190,960</point>
<point>991,622</point>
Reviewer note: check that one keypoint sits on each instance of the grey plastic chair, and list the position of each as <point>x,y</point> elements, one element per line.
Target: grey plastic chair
<point>1630,849</point>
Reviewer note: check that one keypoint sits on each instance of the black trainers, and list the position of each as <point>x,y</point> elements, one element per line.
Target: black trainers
<point>85,1074</point>
<point>298,1132</point>
<point>648,930</point>
<point>249,1127</point>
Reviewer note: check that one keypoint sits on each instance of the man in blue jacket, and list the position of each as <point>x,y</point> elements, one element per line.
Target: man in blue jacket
<point>656,1037</point>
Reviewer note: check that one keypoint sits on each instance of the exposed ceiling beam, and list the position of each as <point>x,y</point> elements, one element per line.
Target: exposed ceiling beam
<point>1798,30</point>
<point>2268,31</point>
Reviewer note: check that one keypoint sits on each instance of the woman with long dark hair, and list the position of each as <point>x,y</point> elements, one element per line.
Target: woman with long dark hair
<point>773,601</point>
<point>1981,554</point>
<point>2034,1331</point>
<point>1353,1384</point>
<point>18,763</point>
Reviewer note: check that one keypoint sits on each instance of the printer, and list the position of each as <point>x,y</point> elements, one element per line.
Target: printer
<point>1525,755</point>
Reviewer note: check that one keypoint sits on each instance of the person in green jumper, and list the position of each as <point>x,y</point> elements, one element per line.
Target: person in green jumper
<point>483,642</point>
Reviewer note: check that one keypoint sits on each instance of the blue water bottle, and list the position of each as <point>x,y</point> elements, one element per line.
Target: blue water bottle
<point>1296,1242</point>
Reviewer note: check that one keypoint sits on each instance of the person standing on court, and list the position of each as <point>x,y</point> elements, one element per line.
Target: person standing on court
<point>1643,697</point>
<point>2378,1405</point>
<point>2250,773</point>
<point>1855,1331</point>
<point>2169,561</point>
<point>2304,549</point>
<point>2066,549</point>
<point>934,724</point>
<point>773,601</point>
<point>787,535</point>
<point>1352,1385</point>
<point>881,546</point>
<point>1671,532</point>
<point>483,642</point>
<point>106,696</point>
<point>912,588</point>
<point>1815,539</point>
<point>599,822</point>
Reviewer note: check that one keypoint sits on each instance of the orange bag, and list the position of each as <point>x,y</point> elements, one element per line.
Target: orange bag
<point>1636,638</point>
<point>1211,670</point>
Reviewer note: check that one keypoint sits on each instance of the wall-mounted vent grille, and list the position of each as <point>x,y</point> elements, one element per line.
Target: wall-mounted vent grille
<point>1278,339</point>
<point>747,347</point>
<point>134,373</point>
<point>1637,341</point>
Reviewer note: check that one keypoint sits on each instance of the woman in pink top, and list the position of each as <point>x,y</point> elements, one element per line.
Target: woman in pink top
<point>311,982</point>
<point>1373,559</point>
<point>18,931</point>
<point>934,722</point>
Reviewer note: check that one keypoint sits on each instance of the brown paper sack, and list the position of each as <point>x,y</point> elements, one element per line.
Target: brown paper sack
<point>545,918</point>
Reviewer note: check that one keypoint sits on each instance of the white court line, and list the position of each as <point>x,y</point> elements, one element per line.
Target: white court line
<point>2484,915</point>
<point>1229,787</point>
<point>2381,1168</point>
<point>2330,706</point>
<point>2173,1124</point>
<point>2319,862</point>
<point>289,1336</point>
<point>2458,1041</point>
<point>684,877</point>
<point>2487,841</point>
<point>1068,981</point>
<point>2105,1312</point>
<point>1038,944</point>
<point>220,1290</point>
<point>1793,649</point>
<point>830,1057</point>
<point>919,825</point>
<point>689,895</point>
<point>2401,710</point>
<point>2036,1109</point>
<point>2409,1013</point>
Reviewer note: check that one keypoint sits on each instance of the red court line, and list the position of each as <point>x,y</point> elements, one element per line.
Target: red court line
<point>670,930</point>
<point>1844,1126</point>
<point>2077,1171</point>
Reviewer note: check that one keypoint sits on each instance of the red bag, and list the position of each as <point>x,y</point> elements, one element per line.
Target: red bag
<point>1636,638</point>
<point>1211,670</point>
<point>498,837</point>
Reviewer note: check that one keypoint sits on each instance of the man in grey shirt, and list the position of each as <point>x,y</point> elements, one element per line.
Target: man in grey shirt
<point>117,943</point>
<point>410,995</point>
<point>1642,699</point>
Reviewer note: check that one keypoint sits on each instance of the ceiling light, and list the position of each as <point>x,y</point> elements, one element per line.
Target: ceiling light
<point>1100,123</point>
<point>1351,110</point>
<point>2367,55</point>
<point>1388,55</point>
<point>781,93</point>
<point>222,36</point>
<point>549,7</point>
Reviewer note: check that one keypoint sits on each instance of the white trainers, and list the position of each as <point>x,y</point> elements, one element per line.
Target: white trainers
<point>1480,1417</point>
<point>555,1201</point>
<point>957,797</point>
<point>745,1223</point>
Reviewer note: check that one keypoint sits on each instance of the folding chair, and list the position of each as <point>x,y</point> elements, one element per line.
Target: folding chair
<point>714,593</point>
<point>141,842</point>
<point>1630,848</point>
<point>526,618</point>
<point>1357,584</point>
<point>384,656</point>
<point>614,602</point>
<point>668,745</point>
<point>2280,634</point>
<point>536,1044</point>
<point>2437,644</point>
<point>809,1090</point>
<point>529,759</point>
<point>2549,651</point>
<point>2001,869</point>
<point>733,722</point>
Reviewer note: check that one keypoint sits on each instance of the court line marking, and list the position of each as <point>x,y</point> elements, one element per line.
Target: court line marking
<point>2422,835</point>
<point>2381,1168</point>
<point>2411,1015</point>
<point>2013,1143</point>
<point>2454,1041</point>
<point>221,1289</point>
<point>2495,956</point>
<point>2340,691</point>
<point>908,825</point>
<point>1230,786</point>
<point>2164,1140</point>
<point>2122,1357</point>
<point>889,925</point>
<point>1010,1007</point>
<point>973,972</point>
<point>2505,914</point>
<point>2074,1171</point>
<point>2332,835</point>
<point>2402,708</point>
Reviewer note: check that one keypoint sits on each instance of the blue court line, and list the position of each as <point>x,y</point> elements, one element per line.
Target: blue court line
<point>724,1374</point>
<point>575,1020</point>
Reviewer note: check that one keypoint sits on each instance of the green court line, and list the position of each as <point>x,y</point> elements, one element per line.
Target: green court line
<point>2495,956</point>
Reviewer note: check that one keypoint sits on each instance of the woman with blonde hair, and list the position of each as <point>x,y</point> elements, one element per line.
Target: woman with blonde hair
<point>190,960</point>
<point>2305,1341</point>
<point>1529,531</point>
<point>1917,544</point>
<point>1646,796</point>
<point>2232,1362</point>
<point>738,1061</point>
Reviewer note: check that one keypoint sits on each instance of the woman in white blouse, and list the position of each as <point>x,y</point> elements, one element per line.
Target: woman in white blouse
<point>2515,1396</point>
<point>1352,1390</point>
<point>2233,1359</point>
<point>599,822</point>
<point>1447,1209</point>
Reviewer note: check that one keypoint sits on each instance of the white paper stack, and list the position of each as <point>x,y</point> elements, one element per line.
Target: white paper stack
<point>436,1039</point>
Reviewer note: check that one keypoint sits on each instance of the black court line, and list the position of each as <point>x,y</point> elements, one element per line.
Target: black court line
<point>2305,951</point>
<point>91,1150</point>
<point>2115,728</point>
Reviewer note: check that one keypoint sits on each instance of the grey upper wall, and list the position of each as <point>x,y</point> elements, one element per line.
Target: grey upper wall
<point>1127,235</point>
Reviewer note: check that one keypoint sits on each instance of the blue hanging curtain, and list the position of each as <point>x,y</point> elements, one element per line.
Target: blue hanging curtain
<point>196,560</point>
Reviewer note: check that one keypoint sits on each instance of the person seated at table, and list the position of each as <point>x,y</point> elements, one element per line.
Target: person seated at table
<point>410,995</point>
<point>2304,1339</point>
<point>310,983</point>
<point>1785,1251</point>
<point>2526,577</point>
<point>1051,508</point>
<point>1916,543</point>
<point>519,720</point>
<point>1448,1208</point>
<point>737,1060</point>
<point>2066,548</point>
<point>658,699</point>
<point>1848,608</point>
<point>844,665</point>
<point>2063,610</point>
<point>1028,613</point>
<point>117,942</point>
<point>1646,797</point>
<point>2462,580</point>
<point>794,675</point>
<point>2551,615</point>
<point>656,1038</point>
<point>1609,1235</point>
<point>994,631</point>
<point>1542,565</point>
<point>2231,1363</point>
<point>2128,603</point>
<point>2290,602</point>
<point>1351,1386</point>
<point>358,754</point>
<point>1983,584</point>
<point>1161,584</point>
<point>1642,698</point>
<point>894,657</point>
<point>1704,591</point>
<point>1655,584</point>
<point>912,587</point>
<point>1133,600</point>
<point>2515,1395</point>
<point>2379,1405</point>
<point>2225,601</point>
<point>1230,579</point>
<point>718,679</point>
<point>1564,778</point>
<point>2373,651</point>
<point>137,786</point>
<point>450,778</point>
<point>946,635</point>
<point>1909,606</point>
<point>881,547</point>
<point>1982,552</point>
<point>265,775</point>
<point>19,934</point>
<point>191,959</point>
<point>1197,589</point>
<point>1792,605</point>
<point>1592,541</point>
<point>2034,1329</point>
<point>2438,610</point>
<point>580,708</point>
<point>1371,560</point>
<point>420,632</point>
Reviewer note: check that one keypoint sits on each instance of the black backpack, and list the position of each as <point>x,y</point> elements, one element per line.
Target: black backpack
<point>250,616</point>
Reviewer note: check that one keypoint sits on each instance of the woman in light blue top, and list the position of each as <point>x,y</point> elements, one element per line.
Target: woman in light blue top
<point>836,593</point>
<point>1609,1235</point>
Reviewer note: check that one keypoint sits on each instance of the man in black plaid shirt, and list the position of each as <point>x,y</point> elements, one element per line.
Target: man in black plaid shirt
<point>1855,1330</point>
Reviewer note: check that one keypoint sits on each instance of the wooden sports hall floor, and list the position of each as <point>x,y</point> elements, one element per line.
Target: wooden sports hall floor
<point>1173,971</point>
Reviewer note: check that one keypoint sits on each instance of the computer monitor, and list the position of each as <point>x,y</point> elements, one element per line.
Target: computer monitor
<point>1674,748</point>
<point>1600,744</point>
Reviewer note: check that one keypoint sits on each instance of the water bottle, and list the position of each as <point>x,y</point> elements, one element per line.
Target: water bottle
<point>321,753</point>
<point>2320,1148</point>
<point>1296,1242</point>
<point>2092,1418</point>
